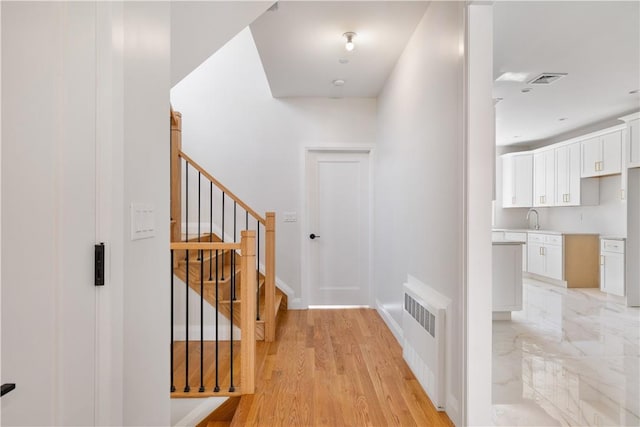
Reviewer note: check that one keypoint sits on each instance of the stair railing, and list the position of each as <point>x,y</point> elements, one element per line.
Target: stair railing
<point>218,210</point>
<point>182,354</point>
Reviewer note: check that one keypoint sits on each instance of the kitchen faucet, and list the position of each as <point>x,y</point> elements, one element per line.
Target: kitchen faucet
<point>537,225</point>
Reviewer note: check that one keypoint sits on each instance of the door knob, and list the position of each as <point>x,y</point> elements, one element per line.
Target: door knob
<point>313,236</point>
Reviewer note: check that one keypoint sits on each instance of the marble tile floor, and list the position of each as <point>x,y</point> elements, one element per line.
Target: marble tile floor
<point>569,358</point>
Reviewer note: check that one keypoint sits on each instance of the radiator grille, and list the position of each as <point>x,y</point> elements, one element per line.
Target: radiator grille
<point>423,316</point>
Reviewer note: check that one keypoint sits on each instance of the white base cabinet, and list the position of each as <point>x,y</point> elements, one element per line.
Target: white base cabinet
<point>567,259</point>
<point>612,267</point>
<point>545,255</point>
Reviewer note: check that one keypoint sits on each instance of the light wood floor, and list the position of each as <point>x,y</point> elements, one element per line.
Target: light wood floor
<point>335,368</point>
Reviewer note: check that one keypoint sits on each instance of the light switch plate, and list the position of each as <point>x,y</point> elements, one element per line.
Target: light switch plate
<point>290,216</point>
<point>142,221</point>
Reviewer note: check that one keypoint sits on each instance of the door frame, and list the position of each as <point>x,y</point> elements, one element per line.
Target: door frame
<point>305,260</point>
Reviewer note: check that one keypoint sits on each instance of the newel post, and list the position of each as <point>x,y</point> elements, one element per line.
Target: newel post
<point>248,311</point>
<point>270,278</point>
<point>176,169</point>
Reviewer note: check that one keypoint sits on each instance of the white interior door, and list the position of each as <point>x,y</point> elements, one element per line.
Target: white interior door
<point>338,232</point>
<point>48,213</point>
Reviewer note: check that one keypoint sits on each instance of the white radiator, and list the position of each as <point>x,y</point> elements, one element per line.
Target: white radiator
<point>424,337</point>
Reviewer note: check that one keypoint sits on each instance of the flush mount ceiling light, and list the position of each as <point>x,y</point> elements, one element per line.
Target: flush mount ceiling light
<point>513,77</point>
<point>338,82</point>
<point>349,45</point>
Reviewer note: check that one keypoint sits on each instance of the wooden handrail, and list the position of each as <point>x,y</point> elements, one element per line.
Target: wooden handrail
<point>205,246</point>
<point>222,188</point>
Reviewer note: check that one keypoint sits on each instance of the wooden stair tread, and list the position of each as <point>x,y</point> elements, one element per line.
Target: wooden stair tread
<point>194,393</point>
<point>204,237</point>
<point>208,256</point>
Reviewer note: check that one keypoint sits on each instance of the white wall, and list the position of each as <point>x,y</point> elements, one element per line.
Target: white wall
<point>608,218</point>
<point>254,144</point>
<point>146,310</point>
<point>199,28</point>
<point>209,316</point>
<point>419,175</point>
<point>479,181</point>
<point>85,112</point>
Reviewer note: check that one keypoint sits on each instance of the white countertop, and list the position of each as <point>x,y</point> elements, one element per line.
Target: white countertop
<point>613,238</point>
<point>527,230</point>
<point>507,242</point>
<point>559,233</point>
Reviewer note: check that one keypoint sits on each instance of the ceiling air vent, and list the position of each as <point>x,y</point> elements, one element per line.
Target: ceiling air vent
<point>547,78</point>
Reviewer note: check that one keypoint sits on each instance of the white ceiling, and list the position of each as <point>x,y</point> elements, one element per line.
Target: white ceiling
<point>596,43</point>
<point>199,28</point>
<point>301,42</point>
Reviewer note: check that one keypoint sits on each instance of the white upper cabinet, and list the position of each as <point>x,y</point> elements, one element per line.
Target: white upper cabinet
<point>602,155</point>
<point>611,153</point>
<point>544,178</point>
<point>633,151</point>
<point>517,175</point>
<point>570,189</point>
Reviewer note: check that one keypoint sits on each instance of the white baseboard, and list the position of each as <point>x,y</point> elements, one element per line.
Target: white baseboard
<point>391,323</point>
<point>201,408</point>
<point>296,304</point>
<point>453,410</point>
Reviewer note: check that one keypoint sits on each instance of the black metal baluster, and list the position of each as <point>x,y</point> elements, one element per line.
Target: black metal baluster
<point>222,236</point>
<point>186,200</point>
<point>173,387</point>
<point>217,387</point>
<point>233,256</point>
<point>201,390</point>
<point>257,270</point>
<point>199,197</point>
<point>210,227</point>
<point>231,387</point>
<point>246,220</point>
<point>186,345</point>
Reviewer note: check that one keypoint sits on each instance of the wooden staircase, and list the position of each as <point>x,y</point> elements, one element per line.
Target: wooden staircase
<point>208,265</point>
<point>235,277</point>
